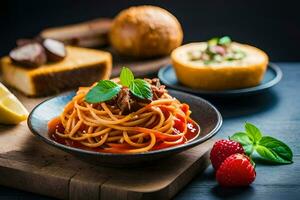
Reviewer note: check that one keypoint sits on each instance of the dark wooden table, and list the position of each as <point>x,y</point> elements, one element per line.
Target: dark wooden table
<point>277,113</point>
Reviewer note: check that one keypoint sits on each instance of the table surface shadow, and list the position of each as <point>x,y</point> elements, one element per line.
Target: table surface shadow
<point>277,113</point>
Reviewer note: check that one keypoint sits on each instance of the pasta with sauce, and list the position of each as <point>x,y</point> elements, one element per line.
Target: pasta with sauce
<point>110,127</point>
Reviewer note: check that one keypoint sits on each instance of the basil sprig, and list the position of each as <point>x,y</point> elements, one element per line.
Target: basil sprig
<point>103,91</point>
<point>106,89</point>
<point>267,147</point>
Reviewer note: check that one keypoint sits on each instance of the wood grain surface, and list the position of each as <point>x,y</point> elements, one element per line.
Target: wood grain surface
<point>29,164</point>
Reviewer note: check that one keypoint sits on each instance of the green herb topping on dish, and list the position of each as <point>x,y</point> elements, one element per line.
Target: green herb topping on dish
<point>218,50</point>
<point>267,147</point>
<point>105,90</point>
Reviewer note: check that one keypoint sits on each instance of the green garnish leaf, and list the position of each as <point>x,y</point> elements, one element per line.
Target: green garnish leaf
<point>219,50</point>
<point>267,147</point>
<point>213,41</point>
<point>244,140</point>
<point>270,155</point>
<point>224,40</point>
<point>141,89</point>
<point>104,90</point>
<point>276,150</point>
<point>126,76</point>
<point>253,132</point>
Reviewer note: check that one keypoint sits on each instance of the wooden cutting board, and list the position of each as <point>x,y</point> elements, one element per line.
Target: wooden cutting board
<point>29,164</point>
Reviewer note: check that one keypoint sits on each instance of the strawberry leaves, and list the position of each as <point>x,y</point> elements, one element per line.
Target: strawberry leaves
<point>267,147</point>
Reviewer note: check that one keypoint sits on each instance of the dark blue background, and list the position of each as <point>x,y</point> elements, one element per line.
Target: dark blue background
<point>273,26</point>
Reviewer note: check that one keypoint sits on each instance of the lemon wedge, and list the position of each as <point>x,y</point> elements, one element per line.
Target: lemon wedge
<point>11,109</point>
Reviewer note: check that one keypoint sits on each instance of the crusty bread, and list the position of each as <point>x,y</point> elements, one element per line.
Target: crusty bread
<point>81,67</point>
<point>219,76</point>
<point>145,31</point>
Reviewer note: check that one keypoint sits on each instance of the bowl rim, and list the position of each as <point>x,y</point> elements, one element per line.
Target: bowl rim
<point>148,153</point>
<point>183,88</point>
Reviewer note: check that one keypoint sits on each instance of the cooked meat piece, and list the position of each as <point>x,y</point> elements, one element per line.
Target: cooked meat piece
<point>123,100</point>
<point>29,55</point>
<point>157,89</point>
<point>128,102</point>
<point>55,50</point>
<point>154,81</point>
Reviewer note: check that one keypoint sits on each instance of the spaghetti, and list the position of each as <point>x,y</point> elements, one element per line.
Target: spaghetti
<point>100,127</point>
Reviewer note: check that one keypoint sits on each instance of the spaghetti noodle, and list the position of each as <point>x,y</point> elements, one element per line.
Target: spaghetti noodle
<point>163,123</point>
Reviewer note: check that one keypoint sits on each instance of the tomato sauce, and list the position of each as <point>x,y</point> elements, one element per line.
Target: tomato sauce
<point>55,124</point>
<point>192,132</point>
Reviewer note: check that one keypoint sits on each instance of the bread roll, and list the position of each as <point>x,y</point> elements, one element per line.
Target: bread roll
<point>145,31</point>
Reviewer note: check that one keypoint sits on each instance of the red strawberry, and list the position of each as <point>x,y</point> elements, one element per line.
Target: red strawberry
<point>236,170</point>
<point>223,149</point>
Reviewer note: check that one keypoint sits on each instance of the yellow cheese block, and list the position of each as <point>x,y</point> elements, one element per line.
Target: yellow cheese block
<point>243,73</point>
<point>81,67</point>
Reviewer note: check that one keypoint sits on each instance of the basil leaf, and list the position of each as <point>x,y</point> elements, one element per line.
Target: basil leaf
<point>224,40</point>
<point>141,89</point>
<point>270,155</point>
<point>126,76</point>
<point>103,91</point>
<point>253,132</point>
<point>280,151</point>
<point>244,140</point>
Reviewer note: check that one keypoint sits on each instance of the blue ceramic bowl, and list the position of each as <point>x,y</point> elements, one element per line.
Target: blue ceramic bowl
<point>204,113</point>
<point>272,76</point>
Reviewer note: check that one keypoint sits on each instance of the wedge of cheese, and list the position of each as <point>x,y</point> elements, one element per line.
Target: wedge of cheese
<point>81,67</point>
<point>243,73</point>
